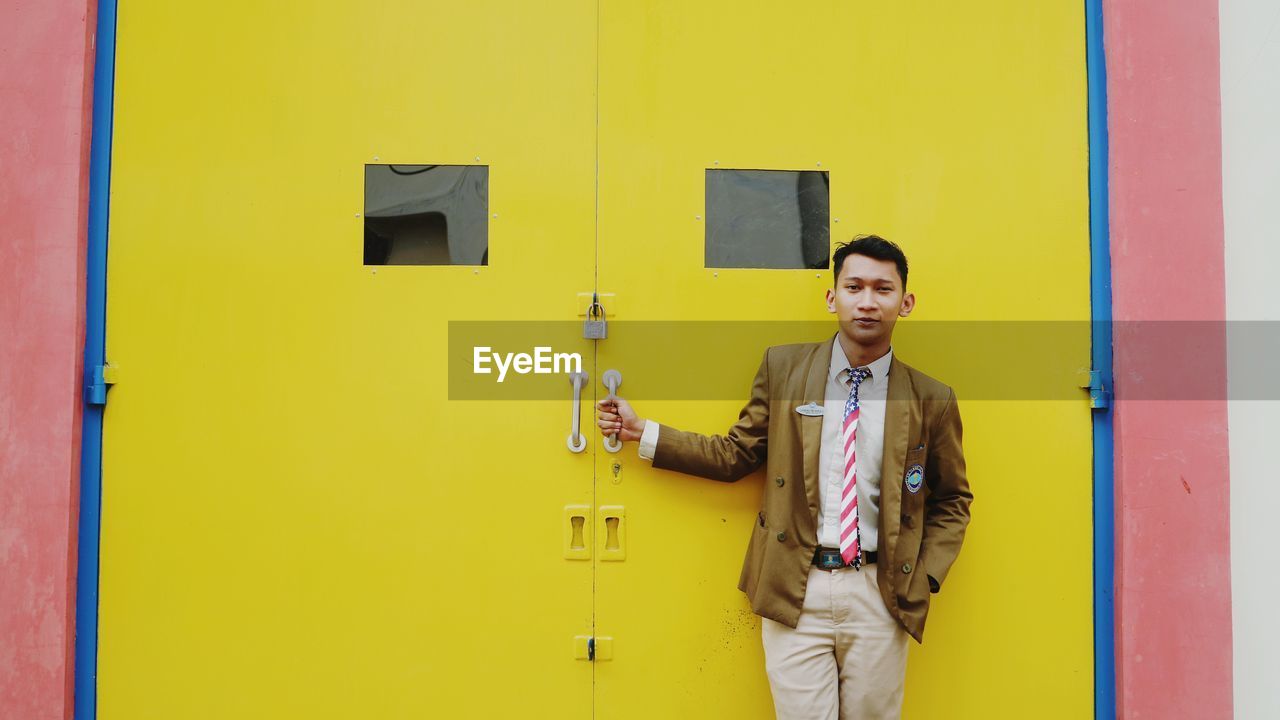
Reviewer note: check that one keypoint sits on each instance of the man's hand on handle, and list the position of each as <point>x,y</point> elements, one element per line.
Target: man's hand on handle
<point>614,416</point>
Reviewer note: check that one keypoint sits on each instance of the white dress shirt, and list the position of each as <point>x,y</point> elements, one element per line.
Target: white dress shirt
<point>869,444</point>
<point>869,447</point>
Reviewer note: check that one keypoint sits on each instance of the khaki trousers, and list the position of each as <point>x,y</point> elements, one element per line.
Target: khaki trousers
<point>846,659</point>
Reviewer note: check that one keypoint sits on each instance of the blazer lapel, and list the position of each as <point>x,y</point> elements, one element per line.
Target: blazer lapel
<point>815,391</point>
<point>897,418</point>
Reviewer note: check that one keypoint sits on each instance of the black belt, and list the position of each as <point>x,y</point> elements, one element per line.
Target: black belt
<point>830,558</point>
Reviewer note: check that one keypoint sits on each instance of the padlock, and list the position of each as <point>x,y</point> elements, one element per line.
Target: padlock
<point>595,327</point>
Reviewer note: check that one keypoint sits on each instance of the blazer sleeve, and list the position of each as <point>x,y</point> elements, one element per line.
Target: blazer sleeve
<point>946,513</point>
<point>728,457</point>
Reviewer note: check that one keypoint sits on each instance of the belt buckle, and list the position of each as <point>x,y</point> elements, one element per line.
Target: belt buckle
<point>830,559</point>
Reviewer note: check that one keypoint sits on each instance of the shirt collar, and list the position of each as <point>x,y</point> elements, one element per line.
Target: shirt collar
<point>839,363</point>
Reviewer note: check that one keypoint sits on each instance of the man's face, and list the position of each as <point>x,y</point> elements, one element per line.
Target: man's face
<point>869,299</point>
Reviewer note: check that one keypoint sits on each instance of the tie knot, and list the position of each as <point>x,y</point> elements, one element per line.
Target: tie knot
<point>857,375</point>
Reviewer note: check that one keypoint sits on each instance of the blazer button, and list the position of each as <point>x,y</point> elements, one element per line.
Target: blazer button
<point>906,567</point>
<point>906,521</point>
<point>782,537</point>
<point>780,481</point>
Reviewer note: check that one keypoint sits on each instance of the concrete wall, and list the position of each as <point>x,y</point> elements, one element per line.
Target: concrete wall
<point>1173,604</point>
<point>1250,36</point>
<point>45,67</point>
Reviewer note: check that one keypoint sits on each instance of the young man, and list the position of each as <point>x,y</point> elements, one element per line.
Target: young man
<point>865,504</point>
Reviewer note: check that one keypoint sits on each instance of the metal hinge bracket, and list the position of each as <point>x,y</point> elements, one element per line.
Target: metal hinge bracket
<point>1099,395</point>
<point>101,378</point>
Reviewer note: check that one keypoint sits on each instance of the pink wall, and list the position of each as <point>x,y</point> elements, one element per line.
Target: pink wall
<point>46,66</point>
<point>1173,607</point>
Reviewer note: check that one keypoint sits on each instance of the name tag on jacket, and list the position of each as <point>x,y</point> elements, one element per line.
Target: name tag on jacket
<point>811,410</point>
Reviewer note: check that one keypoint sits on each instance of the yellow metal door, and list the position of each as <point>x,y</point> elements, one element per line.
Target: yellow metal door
<point>956,130</point>
<point>297,521</point>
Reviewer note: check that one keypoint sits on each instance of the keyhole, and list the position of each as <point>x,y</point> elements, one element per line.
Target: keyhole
<point>578,523</point>
<point>611,533</point>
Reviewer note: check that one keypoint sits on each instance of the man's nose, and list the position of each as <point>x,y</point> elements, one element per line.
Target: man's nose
<point>865,301</point>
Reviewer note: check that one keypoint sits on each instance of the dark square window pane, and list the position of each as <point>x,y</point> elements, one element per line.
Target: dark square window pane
<point>768,219</point>
<point>426,215</point>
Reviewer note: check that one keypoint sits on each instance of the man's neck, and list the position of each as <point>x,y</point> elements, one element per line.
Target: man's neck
<point>860,355</point>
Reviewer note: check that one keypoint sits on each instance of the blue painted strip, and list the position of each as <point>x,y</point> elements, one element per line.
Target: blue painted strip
<point>104,70</point>
<point>1104,533</point>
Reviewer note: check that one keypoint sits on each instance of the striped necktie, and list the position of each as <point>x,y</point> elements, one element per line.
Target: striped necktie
<point>850,543</point>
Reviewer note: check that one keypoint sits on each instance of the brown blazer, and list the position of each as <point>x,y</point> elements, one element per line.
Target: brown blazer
<point>920,532</point>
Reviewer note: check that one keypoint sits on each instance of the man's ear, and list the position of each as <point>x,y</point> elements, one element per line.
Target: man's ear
<point>908,304</point>
<point>831,300</point>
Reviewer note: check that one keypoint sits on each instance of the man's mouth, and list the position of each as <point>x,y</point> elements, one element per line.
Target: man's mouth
<point>865,322</point>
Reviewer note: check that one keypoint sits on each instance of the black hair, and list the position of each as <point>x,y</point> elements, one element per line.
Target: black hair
<point>873,246</point>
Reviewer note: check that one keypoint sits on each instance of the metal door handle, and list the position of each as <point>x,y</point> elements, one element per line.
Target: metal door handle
<point>612,379</point>
<point>613,532</point>
<point>577,442</point>
<point>577,532</point>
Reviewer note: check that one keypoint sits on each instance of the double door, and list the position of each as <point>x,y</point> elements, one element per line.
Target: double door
<point>310,510</point>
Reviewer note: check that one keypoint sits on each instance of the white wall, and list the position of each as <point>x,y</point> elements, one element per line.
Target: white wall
<point>1250,38</point>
